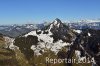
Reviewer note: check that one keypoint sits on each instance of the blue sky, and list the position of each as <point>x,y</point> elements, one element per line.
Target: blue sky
<point>37,11</point>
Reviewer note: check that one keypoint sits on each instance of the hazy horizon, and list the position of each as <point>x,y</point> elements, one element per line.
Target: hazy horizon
<point>37,11</point>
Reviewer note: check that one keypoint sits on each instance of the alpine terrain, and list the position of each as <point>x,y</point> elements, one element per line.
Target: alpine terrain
<point>33,45</point>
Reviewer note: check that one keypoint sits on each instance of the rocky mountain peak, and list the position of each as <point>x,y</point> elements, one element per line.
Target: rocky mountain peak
<point>56,24</point>
<point>56,21</point>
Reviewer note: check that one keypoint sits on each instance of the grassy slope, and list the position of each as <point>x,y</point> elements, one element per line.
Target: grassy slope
<point>7,57</point>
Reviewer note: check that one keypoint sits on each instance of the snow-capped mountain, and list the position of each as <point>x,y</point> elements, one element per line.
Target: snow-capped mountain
<point>53,37</point>
<point>59,30</point>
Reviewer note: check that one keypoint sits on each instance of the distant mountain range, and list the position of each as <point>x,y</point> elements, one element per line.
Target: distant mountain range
<point>85,24</point>
<point>17,30</point>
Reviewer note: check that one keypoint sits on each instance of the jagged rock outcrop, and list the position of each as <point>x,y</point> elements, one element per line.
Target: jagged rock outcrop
<point>60,31</point>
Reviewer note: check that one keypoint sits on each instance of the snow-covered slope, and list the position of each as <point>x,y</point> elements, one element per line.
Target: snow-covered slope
<point>46,40</point>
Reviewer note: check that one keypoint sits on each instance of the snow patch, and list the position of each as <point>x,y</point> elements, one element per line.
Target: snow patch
<point>45,37</point>
<point>9,43</point>
<point>78,54</point>
<point>55,22</point>
<point>51,26</point>
<point>78,31</point>
<point>55,47</point>
<point>58,24</point>
<point>89,34</point>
